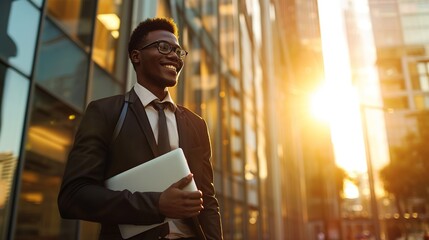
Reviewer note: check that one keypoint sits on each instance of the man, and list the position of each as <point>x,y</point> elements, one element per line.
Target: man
<point>96,155</point>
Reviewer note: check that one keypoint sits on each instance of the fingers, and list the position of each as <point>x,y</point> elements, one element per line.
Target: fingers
<point>194,194</point>
<point>176,203</point>
<point>193,206</point>
<point>183,182</point>
<point>193,201</point>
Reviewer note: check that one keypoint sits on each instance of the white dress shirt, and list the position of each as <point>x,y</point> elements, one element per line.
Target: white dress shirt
<point>178,228</point>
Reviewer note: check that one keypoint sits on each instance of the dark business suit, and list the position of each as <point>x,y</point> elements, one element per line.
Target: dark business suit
<point>94,158</point>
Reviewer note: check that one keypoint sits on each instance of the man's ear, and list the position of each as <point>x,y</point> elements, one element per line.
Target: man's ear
<point>135,56</point>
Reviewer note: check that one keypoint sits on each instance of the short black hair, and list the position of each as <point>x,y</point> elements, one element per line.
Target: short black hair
<point>149,25</point>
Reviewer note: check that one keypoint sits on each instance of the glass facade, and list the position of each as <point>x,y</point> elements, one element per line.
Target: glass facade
<point>57,51</point>
<point>12,126</point>
<point>387,46</point>
<point>49,138</point>
<point>404,213</point>
<point>60,55</point>
<point>51,65</point>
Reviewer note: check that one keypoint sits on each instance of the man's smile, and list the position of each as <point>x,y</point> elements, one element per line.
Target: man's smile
<point>171,67</point>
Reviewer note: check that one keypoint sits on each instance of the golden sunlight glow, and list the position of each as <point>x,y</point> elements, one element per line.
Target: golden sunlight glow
<point>115,34</point>
<point>110,21</point>
<point>34,137</point>
<point>337,100</point>
<point>48,135</point>
<point>321,105</point>
<point>34,197</point>
<point>30,177</point>
<point>351,191</point>
<point>253,216</point>
<point>338,105</point>
<point>272,12</point>
<point>48,142</point>
<point>4,193</point>
<point>226,9</point>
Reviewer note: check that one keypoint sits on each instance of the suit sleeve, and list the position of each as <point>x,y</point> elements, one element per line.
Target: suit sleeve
<point>83,195</point>
<point>210,217</point>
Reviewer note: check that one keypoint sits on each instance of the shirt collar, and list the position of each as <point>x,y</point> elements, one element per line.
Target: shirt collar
<point>146,97</point>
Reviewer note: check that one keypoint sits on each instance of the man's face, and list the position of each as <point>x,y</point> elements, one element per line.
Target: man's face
<point>158,70</point>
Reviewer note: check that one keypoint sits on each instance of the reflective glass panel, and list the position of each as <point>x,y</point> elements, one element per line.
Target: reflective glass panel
<point>209,12</point>
<point>209,94</point>
<point>194,5</point>
<point>103,85</point>
<point>49,139</point>
<point>111,36</point>
<point>227,217</point>
<point>13,102</point>
<point>19,24</point>
<point>74,17</point>
<point>191,70</point>
<point>228,37</point>
<point>238,221</point>
<point>62,66</point>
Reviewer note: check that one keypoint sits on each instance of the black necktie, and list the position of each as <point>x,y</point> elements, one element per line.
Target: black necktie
<point>163,139</point>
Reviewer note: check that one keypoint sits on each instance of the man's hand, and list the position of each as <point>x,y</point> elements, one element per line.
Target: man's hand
<point>177,203</point>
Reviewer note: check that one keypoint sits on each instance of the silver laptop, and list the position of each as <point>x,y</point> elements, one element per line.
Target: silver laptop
<point>145,177</point>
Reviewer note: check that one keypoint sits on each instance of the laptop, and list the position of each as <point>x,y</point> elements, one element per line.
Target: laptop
<point>172,166</point>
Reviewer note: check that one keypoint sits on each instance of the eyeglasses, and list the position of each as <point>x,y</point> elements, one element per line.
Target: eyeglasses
<point>166,48</point>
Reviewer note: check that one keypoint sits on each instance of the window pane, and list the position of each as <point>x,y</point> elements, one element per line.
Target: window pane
<point>228,37</point>
<point>194,5</point>
<point>74,16</point>
<point>399,102</point>
<point>209,12</point>
<point>103,85</point>
<point>421,102</point>
<point>50,136</point>
<point>18,45</point>
<point>62,66</point>
<point>111,36</point>
<point>13,102</point>
<point>192,71</point>
<point>238,221</point>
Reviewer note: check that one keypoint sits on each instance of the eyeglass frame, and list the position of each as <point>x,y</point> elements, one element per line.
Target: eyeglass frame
<point>176,48</point>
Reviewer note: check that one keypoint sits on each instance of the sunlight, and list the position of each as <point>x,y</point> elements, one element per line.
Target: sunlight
<point>338,106</point>
<point>351,191</point>
<point>337,101</point>
<point>321,104</point>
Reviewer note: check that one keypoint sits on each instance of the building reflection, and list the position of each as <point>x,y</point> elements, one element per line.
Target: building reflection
<point>7,158</point>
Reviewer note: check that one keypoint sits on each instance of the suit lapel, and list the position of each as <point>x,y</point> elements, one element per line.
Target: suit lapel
<point>182,129</point>
<point>185,137</point>
<point>138,109</point>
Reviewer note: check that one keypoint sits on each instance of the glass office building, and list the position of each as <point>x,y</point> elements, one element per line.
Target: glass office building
<point>58,55</point>
<point>251,68</point>
<point>387,47</point>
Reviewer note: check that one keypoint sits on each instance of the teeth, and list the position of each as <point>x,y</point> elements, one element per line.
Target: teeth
<point>170,67</point>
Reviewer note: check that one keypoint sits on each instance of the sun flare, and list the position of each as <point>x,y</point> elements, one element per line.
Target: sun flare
<point>339,107</point>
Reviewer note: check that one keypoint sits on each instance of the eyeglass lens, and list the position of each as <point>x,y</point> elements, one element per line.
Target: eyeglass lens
<point>166,48</point>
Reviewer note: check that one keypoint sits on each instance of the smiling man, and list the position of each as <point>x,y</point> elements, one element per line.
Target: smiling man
<point>99,154</point>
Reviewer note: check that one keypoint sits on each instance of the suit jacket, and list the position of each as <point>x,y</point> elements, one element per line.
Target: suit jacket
<point>93,159</point>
